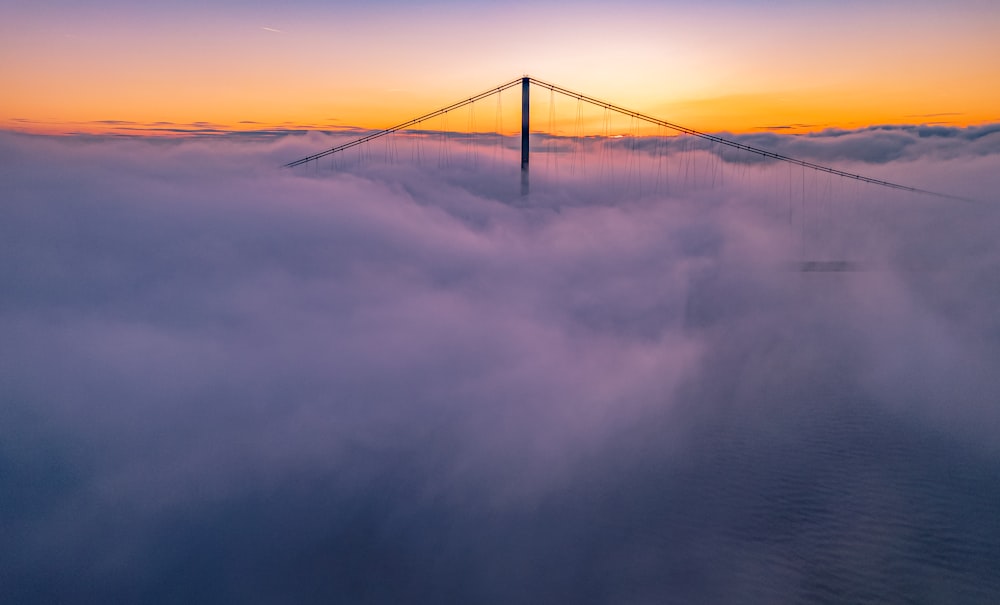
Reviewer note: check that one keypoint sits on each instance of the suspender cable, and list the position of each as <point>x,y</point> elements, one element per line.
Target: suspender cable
<point>407,124</point>
<point>737,145</point>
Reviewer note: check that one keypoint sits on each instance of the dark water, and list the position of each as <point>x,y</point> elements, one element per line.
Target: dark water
<point>833,500</point>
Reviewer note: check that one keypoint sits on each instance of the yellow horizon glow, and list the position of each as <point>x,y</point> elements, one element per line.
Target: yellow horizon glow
<point>792,112</point>
<point>709,71</point>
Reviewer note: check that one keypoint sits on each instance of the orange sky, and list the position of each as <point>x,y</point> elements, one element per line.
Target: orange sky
<point>726,66</point>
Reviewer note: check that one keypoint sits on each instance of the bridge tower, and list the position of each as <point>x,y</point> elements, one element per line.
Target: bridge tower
<point>525,124</point>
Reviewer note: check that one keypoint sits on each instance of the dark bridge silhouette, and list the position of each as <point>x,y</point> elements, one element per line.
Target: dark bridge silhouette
<point>825,248</point>
<point>527,82</point>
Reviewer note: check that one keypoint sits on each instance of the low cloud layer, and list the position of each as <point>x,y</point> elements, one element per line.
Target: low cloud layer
<point>404,382</point>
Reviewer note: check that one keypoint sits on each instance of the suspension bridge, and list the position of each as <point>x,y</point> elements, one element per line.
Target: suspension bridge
<point>526,82</point>
<point>656,156</point>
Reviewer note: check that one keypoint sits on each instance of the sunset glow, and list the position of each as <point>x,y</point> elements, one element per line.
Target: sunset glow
<point>728,66</point>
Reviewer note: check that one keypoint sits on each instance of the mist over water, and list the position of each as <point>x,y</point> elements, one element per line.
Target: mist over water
<point>401,381</point>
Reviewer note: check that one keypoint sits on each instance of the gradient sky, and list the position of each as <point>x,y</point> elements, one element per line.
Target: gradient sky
<point>68,67</point>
